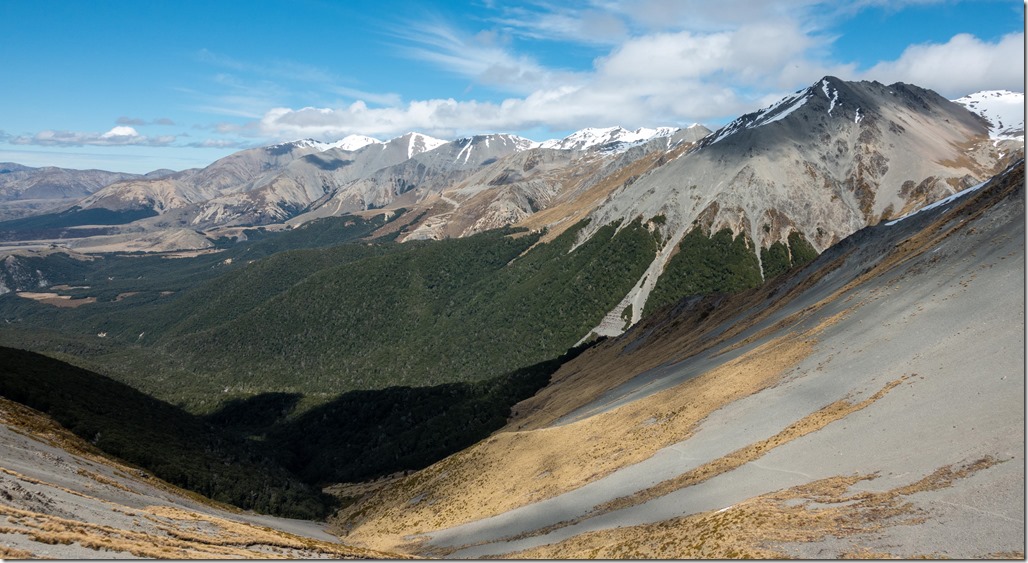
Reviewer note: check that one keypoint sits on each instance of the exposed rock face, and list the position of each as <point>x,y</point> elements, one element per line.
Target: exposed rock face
<point>823,162</point>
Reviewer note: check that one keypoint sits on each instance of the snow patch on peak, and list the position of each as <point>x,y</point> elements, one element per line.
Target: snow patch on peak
<point>1003,109</point>
<point>770,114</point>
<point>353,142</point>
<point>833,97</point>
<point>419,143</point>
<point>303,144</point>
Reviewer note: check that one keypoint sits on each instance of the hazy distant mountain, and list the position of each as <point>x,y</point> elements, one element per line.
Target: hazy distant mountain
<point>232,173</point>
<point>24,182</point>
<point>25,190</point>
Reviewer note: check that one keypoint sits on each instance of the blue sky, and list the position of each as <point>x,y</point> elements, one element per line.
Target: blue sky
<point>135,86</point>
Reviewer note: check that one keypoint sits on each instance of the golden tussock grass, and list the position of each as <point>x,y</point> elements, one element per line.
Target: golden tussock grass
<point>757,528</point>
<point>175,534</point>
<point>511,469</point>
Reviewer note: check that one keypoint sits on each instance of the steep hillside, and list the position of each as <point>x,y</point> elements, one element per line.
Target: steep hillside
<point>81,504</point>
<point>552,186</point>
<point>174,445</point>
<point>869,405</point>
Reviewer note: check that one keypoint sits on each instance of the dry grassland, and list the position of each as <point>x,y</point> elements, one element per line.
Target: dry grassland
<point>512,469</point>
<point>35,425</point>
<point>57,300</point>
<point>757,528</point>
<point>175,534</point>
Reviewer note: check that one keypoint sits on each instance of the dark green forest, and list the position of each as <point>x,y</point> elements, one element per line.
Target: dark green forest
<point>354,316</point>
<point>293,359</point>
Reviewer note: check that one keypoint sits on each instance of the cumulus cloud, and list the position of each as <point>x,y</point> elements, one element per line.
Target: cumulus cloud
<point>661,78</point>
<point>982,65</point>
<point>121,135</point>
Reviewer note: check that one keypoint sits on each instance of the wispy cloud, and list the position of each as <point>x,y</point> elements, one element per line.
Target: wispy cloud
<point>482,56</point>
<point>122,135</point>
<point>221,144</point>
<point>139,122</point>
<point>123,120</point>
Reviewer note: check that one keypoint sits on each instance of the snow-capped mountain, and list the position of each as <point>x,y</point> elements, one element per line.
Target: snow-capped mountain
<point>615,139</point>
<point>1003,109</point>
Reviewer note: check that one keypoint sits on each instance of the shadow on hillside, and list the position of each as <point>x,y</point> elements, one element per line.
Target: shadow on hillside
<point>362,435</point>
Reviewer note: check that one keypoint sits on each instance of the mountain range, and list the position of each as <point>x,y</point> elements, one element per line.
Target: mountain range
<point>797,335</point>
<point>880,151</point>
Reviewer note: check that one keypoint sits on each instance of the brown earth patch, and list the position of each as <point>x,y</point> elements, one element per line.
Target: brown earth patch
<point>57,300</point>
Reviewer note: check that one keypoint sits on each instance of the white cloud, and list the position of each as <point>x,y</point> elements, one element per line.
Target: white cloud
<point>662,78</point>
<point>121,132</point>
<point>962,65</point>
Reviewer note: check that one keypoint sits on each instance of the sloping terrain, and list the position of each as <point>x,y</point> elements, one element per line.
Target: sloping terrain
<point>823,163</point>
<point>870,405</point>
<point>25,190</point>
<point>61,498</point>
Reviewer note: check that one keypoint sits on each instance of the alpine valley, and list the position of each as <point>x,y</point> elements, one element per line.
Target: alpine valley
<point>798,335</point>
